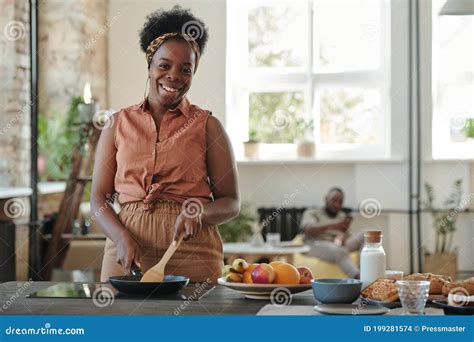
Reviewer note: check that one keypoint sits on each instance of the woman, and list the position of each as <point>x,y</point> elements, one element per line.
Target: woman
<point>170,162</point>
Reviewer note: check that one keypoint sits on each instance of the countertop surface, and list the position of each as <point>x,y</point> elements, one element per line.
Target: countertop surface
<point>14,191</point>
<point>219,301</point>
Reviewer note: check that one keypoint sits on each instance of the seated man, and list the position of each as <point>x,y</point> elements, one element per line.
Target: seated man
<point>327,229</point>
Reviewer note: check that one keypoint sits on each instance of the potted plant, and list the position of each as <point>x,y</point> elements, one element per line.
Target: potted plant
<point>305,145</point>
<point>57,136</point>
<point>444,258</point>
<point>239,229</point>
<point>468,130</point>
<point>251,145</point>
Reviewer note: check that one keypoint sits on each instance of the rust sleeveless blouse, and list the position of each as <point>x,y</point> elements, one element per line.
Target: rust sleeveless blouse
<point>165,165</point>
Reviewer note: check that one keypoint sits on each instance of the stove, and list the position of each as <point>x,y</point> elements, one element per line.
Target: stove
<point>191,292</point>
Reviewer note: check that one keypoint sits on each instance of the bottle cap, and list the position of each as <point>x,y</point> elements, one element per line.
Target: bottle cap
<point>373,236</point>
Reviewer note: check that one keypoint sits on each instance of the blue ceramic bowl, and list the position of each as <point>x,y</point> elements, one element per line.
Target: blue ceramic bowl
<point>336,291</point>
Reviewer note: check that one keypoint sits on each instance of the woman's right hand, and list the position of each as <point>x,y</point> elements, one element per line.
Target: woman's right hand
<point>127,252</point>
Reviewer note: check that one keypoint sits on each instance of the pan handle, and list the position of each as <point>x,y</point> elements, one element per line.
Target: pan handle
<point>135,270</point>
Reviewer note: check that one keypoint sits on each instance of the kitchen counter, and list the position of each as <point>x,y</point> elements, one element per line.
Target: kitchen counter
<point>14,192</point>
<point>219,301</point>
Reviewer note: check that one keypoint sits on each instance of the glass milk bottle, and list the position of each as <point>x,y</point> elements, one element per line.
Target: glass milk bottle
<point>372,258</point>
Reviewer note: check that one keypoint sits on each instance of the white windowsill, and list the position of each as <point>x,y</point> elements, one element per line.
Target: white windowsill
<point>448,160</point>
<point>316,161</point>
<point>46,188</point>
<point>7,192</point>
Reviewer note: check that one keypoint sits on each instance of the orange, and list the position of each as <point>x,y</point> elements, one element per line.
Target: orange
<point>286,274</point>
<point>276,263</point>
<point>247,278</point>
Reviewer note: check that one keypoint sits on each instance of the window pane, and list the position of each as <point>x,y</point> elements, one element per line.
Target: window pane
<point>453,65</point>
<point>347,35</point>
<point>277,118</point>
<point>457,105</point>
<point>349,115</point>
<point>277,35</point>
<point>456,37</point>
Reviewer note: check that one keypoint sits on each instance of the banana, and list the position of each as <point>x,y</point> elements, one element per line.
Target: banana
<point>234,278</point>
<point>227,269</point>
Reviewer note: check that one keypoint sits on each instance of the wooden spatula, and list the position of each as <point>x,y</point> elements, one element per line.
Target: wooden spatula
<point>156,274</point>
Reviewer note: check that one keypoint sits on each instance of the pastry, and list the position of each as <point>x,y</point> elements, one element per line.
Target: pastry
<point>437,281</point>
<point>467,284</point>
<point>381,290</point>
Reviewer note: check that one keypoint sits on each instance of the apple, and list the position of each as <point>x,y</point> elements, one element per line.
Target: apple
<point>305,275</point>
<point>263,274</point>
<point>247,276</point>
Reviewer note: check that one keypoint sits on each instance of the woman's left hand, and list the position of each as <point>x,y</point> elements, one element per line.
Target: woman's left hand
<point>189,225</point>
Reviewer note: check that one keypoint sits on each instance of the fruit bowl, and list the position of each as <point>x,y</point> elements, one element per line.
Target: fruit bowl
<point>263,291</point>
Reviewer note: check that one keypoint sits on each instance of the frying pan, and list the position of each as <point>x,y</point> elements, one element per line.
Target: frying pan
<point>131,284</point>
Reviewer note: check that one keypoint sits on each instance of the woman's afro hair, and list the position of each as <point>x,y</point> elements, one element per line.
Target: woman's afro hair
<point>175,20</point>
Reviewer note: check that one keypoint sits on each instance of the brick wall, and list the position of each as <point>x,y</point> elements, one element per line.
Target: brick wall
<point>73,50</point>
<point>14,93</point>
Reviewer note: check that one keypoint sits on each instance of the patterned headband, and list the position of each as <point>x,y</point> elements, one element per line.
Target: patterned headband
<point>157,42</point>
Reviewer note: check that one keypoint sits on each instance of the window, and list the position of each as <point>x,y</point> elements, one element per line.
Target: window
<point>309,70</point>
<point>453,85</point>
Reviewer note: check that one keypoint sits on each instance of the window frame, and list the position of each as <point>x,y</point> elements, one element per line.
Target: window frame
<point>243,79</point>
<point>442,146</point>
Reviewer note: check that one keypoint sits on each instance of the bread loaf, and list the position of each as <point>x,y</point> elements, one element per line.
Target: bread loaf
<point>381,290</point>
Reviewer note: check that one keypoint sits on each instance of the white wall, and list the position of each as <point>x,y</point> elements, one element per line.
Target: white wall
<point>127,66</point>
<point>270,184</point>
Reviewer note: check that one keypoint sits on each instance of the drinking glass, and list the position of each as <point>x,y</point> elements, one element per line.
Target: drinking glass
<point>273,239</point>
<point>413,295</point>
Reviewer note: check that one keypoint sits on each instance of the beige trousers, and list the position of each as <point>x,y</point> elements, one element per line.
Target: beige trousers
<point>199,258</point>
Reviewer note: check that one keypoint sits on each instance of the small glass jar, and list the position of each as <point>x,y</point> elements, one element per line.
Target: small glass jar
<point>372,258</point>
<point>273,239</point>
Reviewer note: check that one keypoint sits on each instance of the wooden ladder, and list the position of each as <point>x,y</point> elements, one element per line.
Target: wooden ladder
<point>82,161</point>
